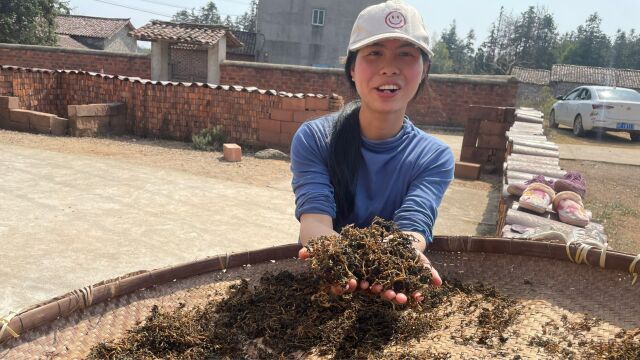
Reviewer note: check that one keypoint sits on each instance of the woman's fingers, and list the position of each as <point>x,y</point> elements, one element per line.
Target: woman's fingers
<point>435,277</point>
<point>400,299</point>
<point>417,296</point>
<point>303,254</point>
<point>376,289</point>
<point>364,285</point>
<point>389,295</point>
<point>351,285</point>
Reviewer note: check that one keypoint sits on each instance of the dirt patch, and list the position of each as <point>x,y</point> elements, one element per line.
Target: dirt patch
<point>165,154</point>
<point>563,135</point>
<point>612,196</point>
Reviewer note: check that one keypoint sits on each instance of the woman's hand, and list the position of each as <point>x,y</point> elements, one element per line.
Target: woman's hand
<point>350,286</point>
<point>389,295</point>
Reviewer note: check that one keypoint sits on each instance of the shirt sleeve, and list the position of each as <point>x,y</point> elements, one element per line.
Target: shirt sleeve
<point>311,182</point>
<point>419,208</point>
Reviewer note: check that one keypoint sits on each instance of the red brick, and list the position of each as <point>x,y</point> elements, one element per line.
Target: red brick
<point>269,137</point>
<point>314,103</point>
<point>282,115</point>
<point>289,127</point>
<point>269,125</point>
<point>293,104</point>
<point>232,152</point>
<point>465,170</point>
<point>9,102</point>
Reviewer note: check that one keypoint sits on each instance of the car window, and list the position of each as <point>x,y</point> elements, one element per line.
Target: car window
<point>618,94</point>
<point>585,95</point>
<point>572,95</point>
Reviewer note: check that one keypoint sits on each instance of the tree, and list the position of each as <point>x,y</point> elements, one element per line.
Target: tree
<point>460,51</point>
<point>247,21</point>
<point>591,48</point>
<point>30,21</point>
<point>208,14</point>
<point>441,62</point>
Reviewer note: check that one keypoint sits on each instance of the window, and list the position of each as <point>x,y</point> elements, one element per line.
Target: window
<point>317,18</point>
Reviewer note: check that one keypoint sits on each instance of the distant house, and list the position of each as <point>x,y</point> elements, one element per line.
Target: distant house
<point>566,77</point>
<point>538,84</point>
<point>307,32</point>
<point>251,49</point>
<point>187,52</point>
<point>96,33</point>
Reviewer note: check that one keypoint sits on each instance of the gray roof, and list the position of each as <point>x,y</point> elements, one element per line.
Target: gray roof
<point>248,39</point>
<point>583,74</point>
<point>587,75</point>
<point>68,42</point>
<point>531,76</point>
<point>89,26</point>
<point>194,34</point>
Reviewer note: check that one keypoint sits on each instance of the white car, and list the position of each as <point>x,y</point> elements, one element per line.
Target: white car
<point>598,108</point>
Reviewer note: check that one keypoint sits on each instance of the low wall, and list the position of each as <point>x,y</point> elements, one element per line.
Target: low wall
<point>444,102</point>
<point>48,57</point>
<point>173,110</point>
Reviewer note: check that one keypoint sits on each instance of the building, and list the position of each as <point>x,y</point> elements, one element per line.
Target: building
<point>96,33</point>
<point>307,32</point>
<point>187,52</point>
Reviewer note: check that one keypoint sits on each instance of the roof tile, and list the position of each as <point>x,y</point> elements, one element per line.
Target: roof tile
<point>194,34</point>
<point>89,26</point>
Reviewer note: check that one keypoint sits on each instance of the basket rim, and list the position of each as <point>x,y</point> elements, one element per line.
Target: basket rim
<point>45,312</point>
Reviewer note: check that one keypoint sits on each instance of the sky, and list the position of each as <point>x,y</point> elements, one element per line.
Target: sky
<point>438,15</point>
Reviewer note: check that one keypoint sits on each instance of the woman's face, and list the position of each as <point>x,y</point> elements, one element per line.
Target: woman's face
<point>387,75</point>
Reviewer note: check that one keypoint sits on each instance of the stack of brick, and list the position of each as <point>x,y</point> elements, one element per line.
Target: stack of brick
<point>285,119</point>
<point>485,141</point>
<point>97,119</point>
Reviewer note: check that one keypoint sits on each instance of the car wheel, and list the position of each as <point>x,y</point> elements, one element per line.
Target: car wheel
<point>552,120</point>
<point>578,129</point>
<point>635,137</point>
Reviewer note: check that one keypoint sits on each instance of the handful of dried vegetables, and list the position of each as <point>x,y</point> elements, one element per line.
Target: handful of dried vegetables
<point>380,254</point>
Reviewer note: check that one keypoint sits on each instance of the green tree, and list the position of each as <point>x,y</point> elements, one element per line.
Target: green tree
<point>207,14</point>
<point>460,50</point>
<point>441,62</point>
<point>30,21</point>
<point>591,48</point>
<point>247,21</point>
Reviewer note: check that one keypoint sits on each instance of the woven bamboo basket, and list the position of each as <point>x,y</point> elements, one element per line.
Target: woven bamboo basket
<point>542,276</point>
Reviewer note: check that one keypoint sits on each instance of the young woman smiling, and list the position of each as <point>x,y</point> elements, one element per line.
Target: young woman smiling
<point>369,159</point>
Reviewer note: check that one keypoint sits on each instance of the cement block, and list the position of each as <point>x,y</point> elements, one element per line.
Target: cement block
<point>9,102</point>
<point>232,152</point>
<point>41,122</point>
<point>89,125</point>
<point>59,126</point>
<point>97,109</point>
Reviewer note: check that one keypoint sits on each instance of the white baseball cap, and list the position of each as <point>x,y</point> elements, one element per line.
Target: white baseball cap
<point>393,19</point>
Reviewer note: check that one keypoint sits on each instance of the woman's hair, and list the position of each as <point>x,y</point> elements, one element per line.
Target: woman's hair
<point>345,147</point>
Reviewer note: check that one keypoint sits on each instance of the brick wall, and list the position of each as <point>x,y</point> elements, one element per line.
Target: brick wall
<point>77,59</point>
<point>444,102</point>
<point>174,111</point>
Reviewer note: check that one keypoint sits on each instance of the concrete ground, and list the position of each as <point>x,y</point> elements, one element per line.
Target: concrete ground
<point>629,155</point>
<point>70,220</point>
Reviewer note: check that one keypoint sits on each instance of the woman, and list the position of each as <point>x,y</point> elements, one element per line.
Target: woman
<point>369,160</point>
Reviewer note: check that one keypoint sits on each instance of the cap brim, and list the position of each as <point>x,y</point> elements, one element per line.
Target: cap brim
<point>368,41</point>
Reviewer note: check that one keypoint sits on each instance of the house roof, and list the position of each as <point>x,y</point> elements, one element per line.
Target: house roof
<point>628,78</point>
<point>583,74</point>
<point>248,39</point>
<point>195,34</point>
<point>531,76</point>
<point>68,42</point>
<point>89,26</point>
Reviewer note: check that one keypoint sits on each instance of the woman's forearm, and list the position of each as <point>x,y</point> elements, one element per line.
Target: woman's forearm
<point>315,225</point>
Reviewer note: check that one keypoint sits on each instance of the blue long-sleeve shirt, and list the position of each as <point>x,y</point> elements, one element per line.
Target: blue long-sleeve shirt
<point>401,179</point>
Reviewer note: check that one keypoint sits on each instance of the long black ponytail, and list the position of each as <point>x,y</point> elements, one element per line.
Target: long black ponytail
<point>345,149</point>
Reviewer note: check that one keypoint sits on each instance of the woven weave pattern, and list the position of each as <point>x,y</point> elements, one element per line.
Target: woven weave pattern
<point>546,290</point>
